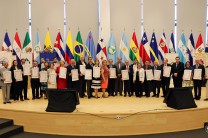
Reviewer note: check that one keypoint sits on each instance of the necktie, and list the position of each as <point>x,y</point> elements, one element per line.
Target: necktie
<point>197,66</point>
<point>176,65</point>
<point>119,66</point>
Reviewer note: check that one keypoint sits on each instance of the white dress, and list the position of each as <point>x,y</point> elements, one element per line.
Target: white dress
<point>51,85</point>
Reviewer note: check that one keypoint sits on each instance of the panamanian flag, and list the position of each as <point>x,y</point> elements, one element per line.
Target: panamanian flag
<point>101,50</point>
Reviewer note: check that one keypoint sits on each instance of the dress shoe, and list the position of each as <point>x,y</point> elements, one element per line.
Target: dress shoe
<point>37,97</point>
<point>21,99</point>
<point>124,95</point>
<point>4,102</point>
<point>163,96</point>
<point>206,99</point>
<point>9,102</point>
<point>154,95</point>
<point>26,99</point>
<point>33,98</point>
<point>157,96</point>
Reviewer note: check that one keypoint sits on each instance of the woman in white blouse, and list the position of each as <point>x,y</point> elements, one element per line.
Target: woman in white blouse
<point>138,80</point>
<point>51,71</point>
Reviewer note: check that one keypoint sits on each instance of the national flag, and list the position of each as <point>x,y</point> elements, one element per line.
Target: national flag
<point>199,44</point>
<point>48,44</point>
<point>134,48</point>
<point>6,46</point>
<point>191,49</point>
<point>206,47</point>
<point>101,50</point>
<point>172,44</point>
<point>59,47</point>
<point>154,48</point>
<point>37,48</point>
<point>182,49</point>
<point>78,47</point>
<point>91,46</point>
<point>69,55</point>
<point>27,45</point>
<point>112,49</point>
<point>17,48</point>
<point>144,49</point>
<point>124,50</point>
<point>162,48</point>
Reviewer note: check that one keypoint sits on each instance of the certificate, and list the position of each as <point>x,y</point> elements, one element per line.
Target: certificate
<point>197,74</point>
<point>62,73</point>
<point>206,73</point>
<point>18,75</point>
<point>43,76</point>
<point>187,75</point>
<point>26,69</point>
<point>166,72</point>
<point>157,74</point>
<point>112,73</point>
<point>149,74</point>
<point>35,73</point>
<point>125,74</point>
<point>7,76</point>
<point>141,75</point>
<point>88,74</point>
<point>96,72</point>
<point>75,75</point>
<point>82,69</point>
<point>52,78</point>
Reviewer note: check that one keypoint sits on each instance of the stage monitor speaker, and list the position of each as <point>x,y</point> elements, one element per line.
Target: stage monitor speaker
<point>62,100</point>
<point>180,98</point>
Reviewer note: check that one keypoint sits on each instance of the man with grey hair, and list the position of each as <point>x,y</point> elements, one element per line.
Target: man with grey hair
<point>71,84</point>
<point>126,82</point>
<point>5,86</point>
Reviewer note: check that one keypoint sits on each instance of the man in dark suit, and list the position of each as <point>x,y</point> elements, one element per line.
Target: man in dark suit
<point>126,82</point>
<point>198,82</point>
<point>177,71</point>
<point>71,84</point>
<point>111,83</point>
<point>89,82</point>
<point>156,83</point>
<point>119,83</point>
<point>25,79</point>
<point>82,83</point>
<point>147,83</point>
<point>132,67</point>
<point>165,79</point>
<point>35,83</point>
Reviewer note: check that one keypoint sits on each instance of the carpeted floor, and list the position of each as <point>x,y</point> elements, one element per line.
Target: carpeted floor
<point>199,133</point>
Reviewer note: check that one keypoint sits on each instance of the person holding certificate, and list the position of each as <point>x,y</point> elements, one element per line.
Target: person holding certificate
<point>156,83</point>
<point>138,80</point>
<point>126,82</point>
<point>71,84</point>
<point>198,74</point>
<point>132,67</point>
<point>41,65</point>
<point>81,66</point>
<point>35,81</point>
<point>17,85</point>
<point>25,78</point>
<point>61,82</point>
<point>188,67</point>
<point>89,66</point>
<point>4,85</point>
<point>147,83</point>
<point>104,75</point>
<point>165,79</point>
<point>111,83</point>
<point>52,76</point>
<point>96,82</point>
<point>177,71</point>
<point>44,85</point>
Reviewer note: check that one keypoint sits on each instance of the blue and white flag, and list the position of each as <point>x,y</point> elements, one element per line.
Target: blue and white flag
<point>91,46</point>
<point>37,48</point>
<point>112,48</point>
<point>124,49</point>
<point>172,44</point>
<point>182,49</point>
<point>191,49</point>
<point>154,49</point>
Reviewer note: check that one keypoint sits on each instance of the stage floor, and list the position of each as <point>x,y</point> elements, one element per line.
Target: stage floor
<point>117,104</point>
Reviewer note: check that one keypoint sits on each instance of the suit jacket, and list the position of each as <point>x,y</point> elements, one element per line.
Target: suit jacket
<point>78,64</point>
<point>1,76</point>
<point>12,72</point>
<point>124,68</point>
<point>157,68</point>
<point>118,71</point>
<point>162,66</point>
<point>131,68</point>
<point>149,67</point>
<point>200,67</point>
<point>113,66</point>
<point>179,69</point>
<point>69,69</point>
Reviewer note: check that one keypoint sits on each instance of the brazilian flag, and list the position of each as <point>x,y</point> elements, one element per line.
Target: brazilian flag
<point>78,47</point>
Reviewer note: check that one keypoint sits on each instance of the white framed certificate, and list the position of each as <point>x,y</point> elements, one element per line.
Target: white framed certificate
<point>125,74</point>
<point>62,73</point>
<point>75,76</point>
<point>112,73</point>
<point>26,69</point>
<point>7,76</point>
<point>52,78</point>
<point>149,74</point>
<point>197,74</point>
<point>82,69</point>
<point>166,71</point>
<point>141,75</point>
<point>187,75</point>
<point>18,75</point>
<point>96,72</point>
<point>43,76</point>
<point>157,74</point>
<point>88,74</point>
<point>35,73</point>
<point>206,73</point>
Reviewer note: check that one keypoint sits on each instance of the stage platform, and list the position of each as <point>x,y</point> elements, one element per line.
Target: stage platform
<point>113,116</point>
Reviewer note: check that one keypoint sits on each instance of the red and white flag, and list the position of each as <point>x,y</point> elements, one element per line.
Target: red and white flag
<point>101,51</point>
<point>17,47</point>
<point>200,44</point>
<point>144,49</point>
<point>162,47</point>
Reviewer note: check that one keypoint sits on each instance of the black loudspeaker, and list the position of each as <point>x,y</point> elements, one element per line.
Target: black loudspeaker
<point>62,100</point>
<point>180,98</point>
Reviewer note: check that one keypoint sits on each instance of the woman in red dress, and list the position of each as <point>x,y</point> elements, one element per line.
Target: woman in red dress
<point>61,83</point>
<point>104,76</point>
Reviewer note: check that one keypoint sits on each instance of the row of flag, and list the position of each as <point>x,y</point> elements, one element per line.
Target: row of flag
<point>151,51</point>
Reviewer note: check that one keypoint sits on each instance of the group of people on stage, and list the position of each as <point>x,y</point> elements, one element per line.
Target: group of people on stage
<point>114,78</point>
